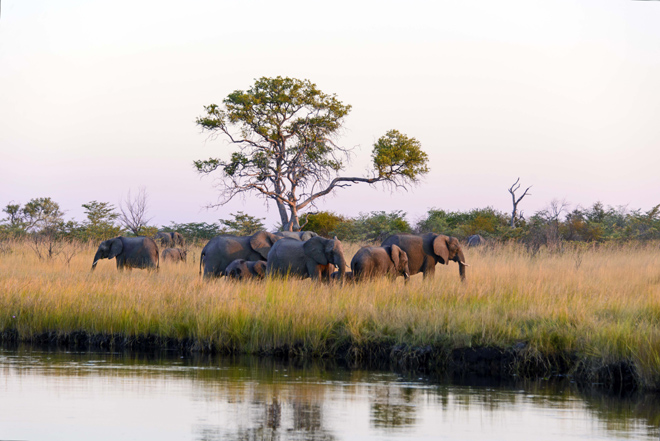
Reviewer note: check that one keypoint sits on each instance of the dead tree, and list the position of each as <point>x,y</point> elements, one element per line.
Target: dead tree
<point>134,211</point>
<point>513,190</point>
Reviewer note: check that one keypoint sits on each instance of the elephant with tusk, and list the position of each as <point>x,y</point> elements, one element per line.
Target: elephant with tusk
<point>425,251</point>
<point>130,252</point>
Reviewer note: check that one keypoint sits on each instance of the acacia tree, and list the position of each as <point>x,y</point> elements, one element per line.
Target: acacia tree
<point>284,131</point>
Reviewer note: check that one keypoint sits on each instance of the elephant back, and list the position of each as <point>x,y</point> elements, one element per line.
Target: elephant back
<point>418,254</point>
<point>476,240</point>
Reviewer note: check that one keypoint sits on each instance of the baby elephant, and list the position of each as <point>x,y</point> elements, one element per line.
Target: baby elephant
<point>389,261</point>
<point>174,255</point>
<point>241,269</point>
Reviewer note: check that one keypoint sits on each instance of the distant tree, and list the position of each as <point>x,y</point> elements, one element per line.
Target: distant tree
<point>242,224</point>
<point>42,215</point>
<point>284,131</point>
<point>43,220</point>
<point>195,230</point>
<point>372,227</point>
<point>133,212</point>
<point>487,222</point>
<point>644,225</point>
<point>15,220</point>
<point>323,223</point>
<point>512,190</point>
<point>100,223</point>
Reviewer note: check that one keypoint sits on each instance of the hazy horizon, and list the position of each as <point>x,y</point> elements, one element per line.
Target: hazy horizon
<point>100,98</point>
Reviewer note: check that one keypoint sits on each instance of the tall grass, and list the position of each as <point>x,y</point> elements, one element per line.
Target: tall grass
<point>601,303</point>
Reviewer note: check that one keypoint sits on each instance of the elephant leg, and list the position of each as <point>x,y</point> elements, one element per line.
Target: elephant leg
<point>314,270</point>
<point>429,269</point>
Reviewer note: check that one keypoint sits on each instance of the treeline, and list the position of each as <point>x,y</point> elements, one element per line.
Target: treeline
<point>43,218</point>
<point>549,226</point>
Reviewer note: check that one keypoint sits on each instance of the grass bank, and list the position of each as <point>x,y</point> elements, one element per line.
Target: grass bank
<point>578,311</point>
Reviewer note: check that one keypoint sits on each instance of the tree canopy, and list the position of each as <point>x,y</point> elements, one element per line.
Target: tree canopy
<point>285,131</point>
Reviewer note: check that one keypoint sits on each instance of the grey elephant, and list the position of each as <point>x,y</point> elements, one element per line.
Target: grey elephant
<point>165,239</point>
<point>425,251</point>
<point>220,251</point>
<point>242,269</point>
<point>315,258</point>
<point>168,239</point>
<point>297,235</point>
<point>130,252</point>
<point>174,255</point>
<point>476,240</point>
<point>370,262</point>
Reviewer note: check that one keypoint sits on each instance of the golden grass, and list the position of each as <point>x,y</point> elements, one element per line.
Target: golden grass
<point>600,303</point>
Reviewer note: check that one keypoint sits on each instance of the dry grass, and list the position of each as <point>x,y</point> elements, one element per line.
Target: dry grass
<point>600,303</point>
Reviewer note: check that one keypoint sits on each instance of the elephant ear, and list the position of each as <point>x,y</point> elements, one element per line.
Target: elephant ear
<point>315,248</point>
<point>116,248</point>
<point>259,268</point>
<point>261,242</point>
<point>395,255</point>
<point>440,248</point>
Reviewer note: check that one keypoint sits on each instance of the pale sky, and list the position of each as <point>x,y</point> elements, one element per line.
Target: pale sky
<point>100,97</point>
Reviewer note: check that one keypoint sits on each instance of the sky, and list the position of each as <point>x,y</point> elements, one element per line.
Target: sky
<point>99,98</point>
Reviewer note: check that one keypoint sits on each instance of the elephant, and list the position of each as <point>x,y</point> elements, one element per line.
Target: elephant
<point>174,255</point>
<point>315,258</point>
<point>130,252</point>
<point>177,239</point>
<point>389,261</point>
<point>220,251</point>
<point>168,239</point>
<point>476,240</point>
<point>165,239</point>
<point>297,235</point>
<point>241,269</point>
<point>425,251</point>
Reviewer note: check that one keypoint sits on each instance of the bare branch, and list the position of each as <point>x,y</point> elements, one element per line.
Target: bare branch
<point>134,211</point>
<point>515,201</point>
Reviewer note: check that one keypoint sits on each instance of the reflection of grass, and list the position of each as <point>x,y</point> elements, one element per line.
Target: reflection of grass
<point>606,309</point>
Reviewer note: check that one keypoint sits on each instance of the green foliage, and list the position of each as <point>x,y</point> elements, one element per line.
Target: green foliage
<point>242,224</point>
<point>372,227</point>
<point>397,156</point>
<point>42,215</point>
<point>284,129</point>
<point>195,230</point>
<point>487,222</point>
<point>273,113</point>
<point>100,222</point>
<point>323,223</point>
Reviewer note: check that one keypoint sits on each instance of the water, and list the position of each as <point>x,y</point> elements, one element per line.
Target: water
<point>114,396</point>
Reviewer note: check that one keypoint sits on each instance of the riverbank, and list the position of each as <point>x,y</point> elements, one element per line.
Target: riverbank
<point>591,313</point>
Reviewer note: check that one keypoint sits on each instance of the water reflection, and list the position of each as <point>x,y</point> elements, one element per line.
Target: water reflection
<point>57,395</point>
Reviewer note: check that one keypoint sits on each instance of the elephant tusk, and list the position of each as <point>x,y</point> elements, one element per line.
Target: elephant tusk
<point>463,263</point>
<point>406,275</point>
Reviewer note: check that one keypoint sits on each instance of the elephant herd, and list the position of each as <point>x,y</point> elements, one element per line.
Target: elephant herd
<point>299,254</point>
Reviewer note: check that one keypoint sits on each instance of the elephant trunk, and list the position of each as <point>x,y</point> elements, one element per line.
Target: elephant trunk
<point>340,262</point>
<point>97,257</point>
<point>461,265</point>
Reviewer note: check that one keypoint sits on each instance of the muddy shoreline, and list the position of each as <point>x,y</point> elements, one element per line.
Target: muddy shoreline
<point>517,362</point>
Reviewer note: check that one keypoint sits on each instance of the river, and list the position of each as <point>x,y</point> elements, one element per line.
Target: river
<point>55,395</point>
